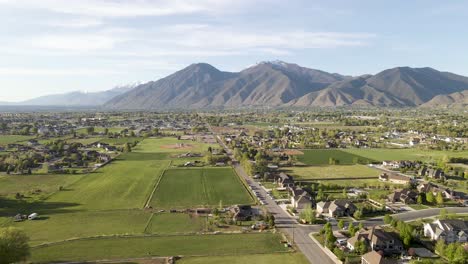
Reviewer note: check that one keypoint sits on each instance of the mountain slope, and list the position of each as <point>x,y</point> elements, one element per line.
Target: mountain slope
<point>402,86</point>
<point>454,100</point>
<point>202,85</point>
<point>78,98</point>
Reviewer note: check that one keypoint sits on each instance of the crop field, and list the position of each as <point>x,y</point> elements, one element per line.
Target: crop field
<point>322,157</point>
<point>168,223</point>
<point>25,184</point>
<point>258,259</point>
<point>123,184</point>
<point>332,172</point>
<point>169,144</point>
<point>126,247</point>
<point>53,227</point>
<point>9,139</point>
<point>199,187</point>
<point>380,154</point>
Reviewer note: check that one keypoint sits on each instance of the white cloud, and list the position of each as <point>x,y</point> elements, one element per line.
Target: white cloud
<point>77,23</point>
<point>75,42</point>
<point>9,71</point>
<point>128,8</point>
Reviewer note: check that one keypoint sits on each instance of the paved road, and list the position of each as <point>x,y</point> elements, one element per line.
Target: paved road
<point>285,223</point>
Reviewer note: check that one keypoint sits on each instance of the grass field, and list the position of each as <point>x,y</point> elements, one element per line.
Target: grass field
<point>182,188</point>
<point>322,157</point>
<point>169,144</point>
<point>120,141</point>
<point>123,184</point>
<point>24,184</point>
<point>61,226</point>
<point>381,154</point>
<point>118,248</point>
<point>9,139</point>
<point>280,258</point>
<point>168,223</point>
<point>331,172</point>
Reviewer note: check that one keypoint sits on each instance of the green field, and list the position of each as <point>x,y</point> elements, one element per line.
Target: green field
<point>121,141</point>
<point>254,258</point>
<point>53,227</point>
<point>169,144</point>
<point>381,154</point>
<point>322,157</point>
<point>126,247</point>
<point>332,172</point>
<point>25,184</point>
<point>124,184</point>
<point>9,139</point>
<point>168,223</point>
<point>189,188</point>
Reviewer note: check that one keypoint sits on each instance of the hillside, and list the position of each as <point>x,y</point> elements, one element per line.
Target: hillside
<point>454,100</point>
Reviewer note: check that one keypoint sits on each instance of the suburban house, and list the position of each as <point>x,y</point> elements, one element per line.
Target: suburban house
<point>300,199</point>
<point>448,230</point>
<point>373,257</point>
<point>241,212</point>
<point>336,208</point>
<point>433,173</point>
<point>378,240</point>
<point>283,180</point>
<point>394,178</point>
<point>405,196</point>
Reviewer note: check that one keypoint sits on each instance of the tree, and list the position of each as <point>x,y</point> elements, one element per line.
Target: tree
<point>443,213</point>
<point>90,130</point>
<point>341,224</point>
<point>345,193</point>
<point>106,131</point>
<point>430,198</point>
<point>128,147</point>
<point>360,226</point>
<point>308,215</point>
<point>439,199</point>
<point>358,214</point>
<point>13,245</point>
<point>210,150</point>
<point>420,199</point>
<point>351,229</point>
<point>363,247</point>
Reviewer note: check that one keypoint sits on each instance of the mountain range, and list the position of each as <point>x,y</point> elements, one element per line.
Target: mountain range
<point>277,84</point>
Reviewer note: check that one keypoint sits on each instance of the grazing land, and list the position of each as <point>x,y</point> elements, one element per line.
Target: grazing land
<point>169,144</point>
<point>258,259</point>
<point>182,188</point>
<point>381,154</point>
<point>332,172</point>
<point>125,184</point>
<point>168,223</point>
<point>323,156</point>
<point>28,184</point>
<point>9,139</point>
<point>126,247</point>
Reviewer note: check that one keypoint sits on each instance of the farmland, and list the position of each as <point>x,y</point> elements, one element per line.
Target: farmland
<point>332,172</point>
<point>258,259</point>
<point>125,247</point>
<point>9,139</point>
<point>380,154</point>
<point>168,144</point>
<point>323,156</point>
<point>199,187</point>
<point>123,185</point>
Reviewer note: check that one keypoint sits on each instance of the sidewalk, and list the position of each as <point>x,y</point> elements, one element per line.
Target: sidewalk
<point>326,250</point>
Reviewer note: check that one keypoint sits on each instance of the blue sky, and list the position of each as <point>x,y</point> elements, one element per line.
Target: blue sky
<point>56,46</point>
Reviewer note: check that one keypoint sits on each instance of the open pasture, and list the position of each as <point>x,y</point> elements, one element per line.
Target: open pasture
<point>9,139</point>
<point>145,246</point>
<point>61,226</point>
<point>323,156</point>
<point>381,154</point>
<point>332,172</point>
<point>279,258</point>
<point>189,188</point>
<point>123,184</point>
<point>172,144</point>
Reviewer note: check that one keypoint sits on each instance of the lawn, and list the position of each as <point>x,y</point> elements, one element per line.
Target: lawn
<point>61,226</point>
<point>332,172</point>
<point>121,141</point>
<point>323,156</point>
<point>169,223</point>
<point>25,184</point>
<point>172,144</point>
<point>280,258</point>
<point>381,154</point>
<point>188,188</point>
<point>123,184</point>
<point>126,247</point>
<point>9,139</point>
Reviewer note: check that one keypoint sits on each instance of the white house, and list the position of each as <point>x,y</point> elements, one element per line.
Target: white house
<point>448,230</point>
